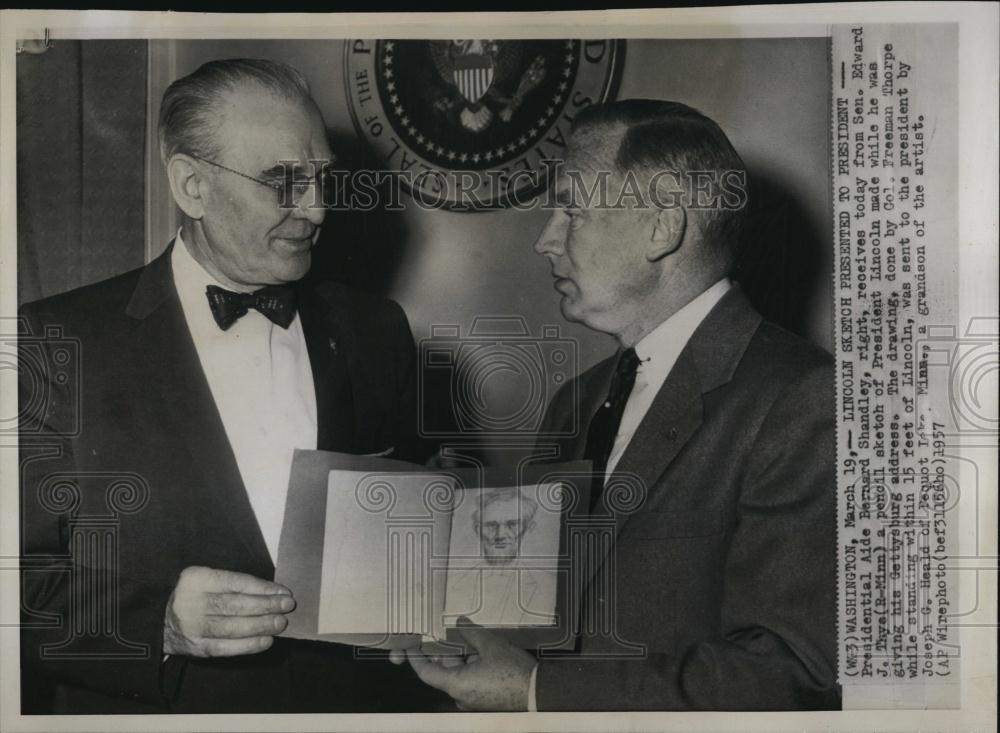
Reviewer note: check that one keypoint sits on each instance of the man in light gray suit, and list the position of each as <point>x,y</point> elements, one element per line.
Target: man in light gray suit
<point>720,585</point>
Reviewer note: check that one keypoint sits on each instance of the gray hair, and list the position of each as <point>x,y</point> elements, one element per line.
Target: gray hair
<point>189,115</point>
<point>655,134</point>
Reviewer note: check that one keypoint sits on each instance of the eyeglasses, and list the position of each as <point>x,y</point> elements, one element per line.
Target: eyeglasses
<point>290,189</point>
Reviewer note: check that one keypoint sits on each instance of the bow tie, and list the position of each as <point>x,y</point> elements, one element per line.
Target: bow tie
<point>276,302</point>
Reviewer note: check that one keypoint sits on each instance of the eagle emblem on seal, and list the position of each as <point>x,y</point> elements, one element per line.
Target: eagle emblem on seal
<point>474,71</point>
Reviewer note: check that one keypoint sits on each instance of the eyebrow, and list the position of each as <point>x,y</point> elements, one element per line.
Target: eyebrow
<point>279,171</point>
<point>275,171</point>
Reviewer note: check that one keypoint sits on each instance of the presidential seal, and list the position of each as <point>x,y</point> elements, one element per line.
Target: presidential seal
<point>469,125</point>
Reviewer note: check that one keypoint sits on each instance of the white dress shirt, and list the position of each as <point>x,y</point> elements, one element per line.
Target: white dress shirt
<point>658,351</point>
<point>262,383</point>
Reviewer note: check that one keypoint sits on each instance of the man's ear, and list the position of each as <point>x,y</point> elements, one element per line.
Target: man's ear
<point>668,233</point>
<point>186,185</point>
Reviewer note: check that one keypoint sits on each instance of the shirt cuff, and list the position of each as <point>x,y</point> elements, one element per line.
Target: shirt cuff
<point>532,702</point>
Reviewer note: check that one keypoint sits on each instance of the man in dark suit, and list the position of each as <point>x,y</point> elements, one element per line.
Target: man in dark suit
<point>712,437</point>
<point>153,484</point>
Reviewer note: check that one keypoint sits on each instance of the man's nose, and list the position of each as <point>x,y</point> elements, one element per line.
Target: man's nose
<point>552,239</point>
<point>310,206</point>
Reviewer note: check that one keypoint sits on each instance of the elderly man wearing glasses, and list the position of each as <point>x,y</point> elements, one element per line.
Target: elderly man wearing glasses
<point>200,374</point>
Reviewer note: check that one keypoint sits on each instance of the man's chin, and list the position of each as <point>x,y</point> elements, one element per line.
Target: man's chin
<point>295,267</point>
<point>500,561</point>
<point>574,312</point>
<point>570,309</point>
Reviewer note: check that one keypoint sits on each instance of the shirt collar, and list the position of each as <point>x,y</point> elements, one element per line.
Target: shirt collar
<point>191,281</point>
<point>188,272</point>
<point>660,348</point>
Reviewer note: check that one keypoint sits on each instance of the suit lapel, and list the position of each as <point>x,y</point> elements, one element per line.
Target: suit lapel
<point>338,370</point>
<point>706,363</point>
<point>188,409</point>
<point>671,420</point>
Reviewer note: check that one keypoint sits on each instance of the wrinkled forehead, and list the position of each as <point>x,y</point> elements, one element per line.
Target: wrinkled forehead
<point>259,128</point>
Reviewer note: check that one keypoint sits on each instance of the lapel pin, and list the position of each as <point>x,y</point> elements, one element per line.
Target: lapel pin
<point>333,345</point>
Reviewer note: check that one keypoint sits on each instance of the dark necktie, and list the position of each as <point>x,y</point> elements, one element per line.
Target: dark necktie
<point>606,421</point>
<point>276,302</point>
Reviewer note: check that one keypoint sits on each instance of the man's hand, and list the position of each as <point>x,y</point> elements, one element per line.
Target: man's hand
<point>219,613</point>
<point>496,677</point>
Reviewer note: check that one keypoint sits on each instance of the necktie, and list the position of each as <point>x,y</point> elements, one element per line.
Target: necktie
<point>276,302</point>
<point>606,421</point>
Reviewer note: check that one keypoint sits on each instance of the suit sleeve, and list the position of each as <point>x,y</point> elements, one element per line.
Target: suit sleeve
<point>777,649</point>
<point>72,619</point>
